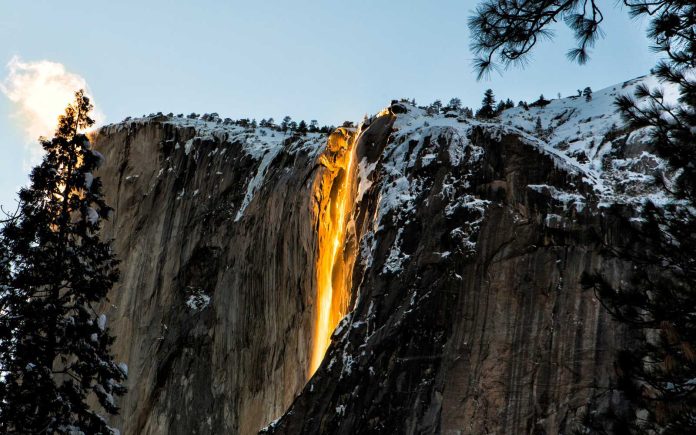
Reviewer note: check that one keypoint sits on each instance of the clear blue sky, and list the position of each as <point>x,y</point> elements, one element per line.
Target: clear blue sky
<point>328,60</point>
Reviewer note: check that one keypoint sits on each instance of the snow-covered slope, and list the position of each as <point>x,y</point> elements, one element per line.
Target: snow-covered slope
<point>585,138</point>
<point>593,135</point>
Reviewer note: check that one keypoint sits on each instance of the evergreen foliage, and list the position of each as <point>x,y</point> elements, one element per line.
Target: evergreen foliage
<point>487,109</point>
<point>541,102</point>
<point>302,128</point>
<point>507,30</point>
<point>538,128</point>
<point>467,112</point>
<point>54,271</point>
<point>657,376</point>
<point>285,125</point>
<point>455,104</point>
<point>657,373</point>
<point>504,105</point>
<point>587,93</point>
<point>500,107</point>
<point>435,107</point>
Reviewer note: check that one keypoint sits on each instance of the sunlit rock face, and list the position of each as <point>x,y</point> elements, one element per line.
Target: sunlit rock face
<point>438,258</point>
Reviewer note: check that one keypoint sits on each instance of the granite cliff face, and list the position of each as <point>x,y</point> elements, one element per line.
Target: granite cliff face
<point>213,312</point>
<point>450,249</point>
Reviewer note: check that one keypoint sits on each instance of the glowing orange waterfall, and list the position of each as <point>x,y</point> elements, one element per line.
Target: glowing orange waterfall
<point>333,285</point>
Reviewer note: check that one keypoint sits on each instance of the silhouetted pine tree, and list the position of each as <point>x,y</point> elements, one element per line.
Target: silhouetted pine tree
<point>587,93</point>
<point>455,104</point>
<point>500,107</point>
<point>435,107</point>
<point>54,346</point>
<point>658,374</point>
<point>538,128</point>
<point>541,102</point>
<point>285,125</point>
<point>302,128</point>
<point>313,126</point>
<point>487,109</point>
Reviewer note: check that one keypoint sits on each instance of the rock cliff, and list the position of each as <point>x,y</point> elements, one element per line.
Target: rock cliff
<point>450,249</point>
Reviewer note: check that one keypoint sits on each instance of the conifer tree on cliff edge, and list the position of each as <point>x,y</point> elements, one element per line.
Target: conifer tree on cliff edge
<point>657,377</point>
<point>54,271</point>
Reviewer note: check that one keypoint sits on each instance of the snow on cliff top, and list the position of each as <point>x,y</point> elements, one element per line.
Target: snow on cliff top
<point>257,142</point>
<point>575,125</point>
<point>583,137</point>
<point>592,134</point>
<point>263,144</point>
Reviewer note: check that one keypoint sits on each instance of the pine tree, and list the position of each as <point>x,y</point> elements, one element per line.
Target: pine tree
<point>500,108</point>
<point>455,104</point>
<point>657,373</point>
<point>54,271</point>
<point>587,93</point>
<point>538,128</point>
<point>313,126</point>
<point>285,125</point>
<point>487,109</point>
<point>302,128</point>
<point>541,102</point>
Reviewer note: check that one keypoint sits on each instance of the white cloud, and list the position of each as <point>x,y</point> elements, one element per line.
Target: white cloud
<point>40,91</point>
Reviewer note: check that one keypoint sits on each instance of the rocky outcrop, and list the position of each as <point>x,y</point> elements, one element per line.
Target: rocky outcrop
<point>462,251</point>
